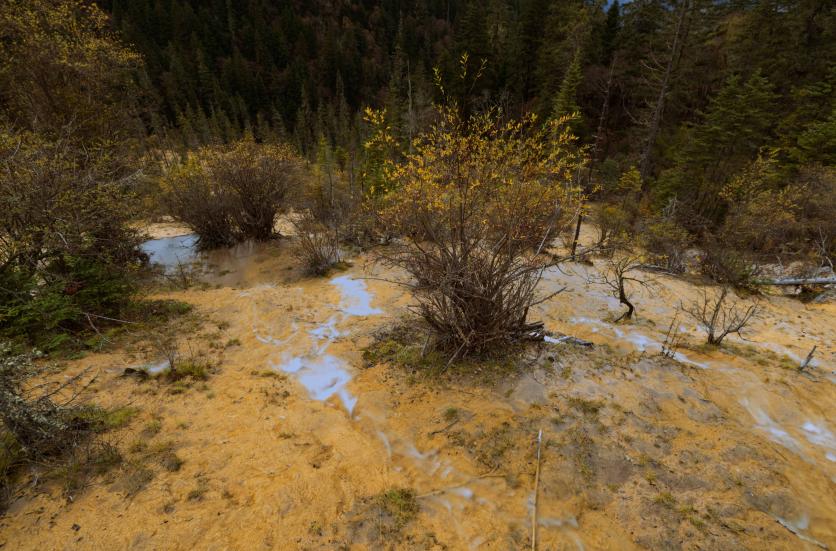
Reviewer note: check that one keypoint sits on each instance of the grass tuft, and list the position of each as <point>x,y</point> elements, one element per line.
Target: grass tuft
<point>400,503</point>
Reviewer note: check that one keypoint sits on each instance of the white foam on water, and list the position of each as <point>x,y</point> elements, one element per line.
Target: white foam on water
<point>476,542</point>
<point>558,522</point>
<point>157,368</point>
<point>464,492</point>
<point>783,350</point>
<point>589,321</point>
<point>766,424</point>
<point>797,527</point>
<point>325,375</point>
<point>819,435</point>
<point>386,444</point>
<point>682,358</point>
<point>356,300</point>
<point>322,376</point>
<point>640,341</point>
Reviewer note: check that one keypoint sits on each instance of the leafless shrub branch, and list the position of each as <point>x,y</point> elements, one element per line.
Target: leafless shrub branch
<point>718,317</point>
<point>317,245</point>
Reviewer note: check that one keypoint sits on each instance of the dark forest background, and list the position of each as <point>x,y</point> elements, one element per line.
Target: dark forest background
<point>689,91</point>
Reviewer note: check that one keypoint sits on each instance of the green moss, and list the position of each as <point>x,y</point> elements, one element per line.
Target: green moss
<point>665,499</point>
<point>315,528</point>
<point>100,419</point>
<point>152,428</point>
<point>400,503</point>
<point>158,310</point>
<point>193,368</point>
<point>140,446</point>
<point>178,388</point>
<point>198,492</point>
<point>590,408</point>
<point>451,414</point>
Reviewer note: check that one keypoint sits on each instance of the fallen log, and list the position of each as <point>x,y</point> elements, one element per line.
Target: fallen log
<point>566,339</point>
<point>799,281</point>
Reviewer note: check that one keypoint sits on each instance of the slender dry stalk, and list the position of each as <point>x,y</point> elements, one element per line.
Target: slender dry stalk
<point>672,338</point>
<point>536,487</point>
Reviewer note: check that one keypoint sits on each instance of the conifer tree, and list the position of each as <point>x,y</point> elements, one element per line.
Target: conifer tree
<point>566,101</point>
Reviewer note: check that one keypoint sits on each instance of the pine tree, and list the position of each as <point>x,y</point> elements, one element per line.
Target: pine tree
<point>610,34</point>
<point>738,122</point>
<point>566,104</point>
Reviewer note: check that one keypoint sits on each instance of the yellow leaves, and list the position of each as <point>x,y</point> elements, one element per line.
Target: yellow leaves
<point>630,181</point>
<point>484,176</point>
<point>760,175</point>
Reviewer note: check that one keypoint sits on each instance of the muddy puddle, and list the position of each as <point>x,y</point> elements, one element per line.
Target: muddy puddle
<point>171,252</point>
<point>713,449</point>
<point>242,265</point>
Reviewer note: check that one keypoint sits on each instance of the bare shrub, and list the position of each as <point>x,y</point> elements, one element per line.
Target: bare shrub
<point>232,193</point>
<point>260,179</point>
<point>475,205</point>
<point>317,245</point>
<point>40,425</point>
<point>718,317</point>
<point>728,266</point>
<point>666,241</point>
<point>614,224</point>
<point>616,217</point>
<point>200,202</point>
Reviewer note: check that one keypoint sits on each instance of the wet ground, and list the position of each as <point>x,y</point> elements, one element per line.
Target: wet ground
<point>293,436</point>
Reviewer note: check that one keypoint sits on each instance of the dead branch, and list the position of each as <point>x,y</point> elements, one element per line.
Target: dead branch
<point>807,360</point>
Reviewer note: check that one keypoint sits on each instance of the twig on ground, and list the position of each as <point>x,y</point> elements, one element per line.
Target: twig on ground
<point>808,359</point>
<point>536,486</point>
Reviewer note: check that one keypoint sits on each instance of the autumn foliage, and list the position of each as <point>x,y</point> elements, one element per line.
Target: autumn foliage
<point>476,204</point>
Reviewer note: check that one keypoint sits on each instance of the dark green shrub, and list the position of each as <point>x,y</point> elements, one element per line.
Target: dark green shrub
<point>67,250</point>
<point>728,266</point>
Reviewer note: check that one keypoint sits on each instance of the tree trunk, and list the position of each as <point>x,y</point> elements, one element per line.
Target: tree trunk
<point>602,121</point>
<point>622,298</point>
<point>680,30</point>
